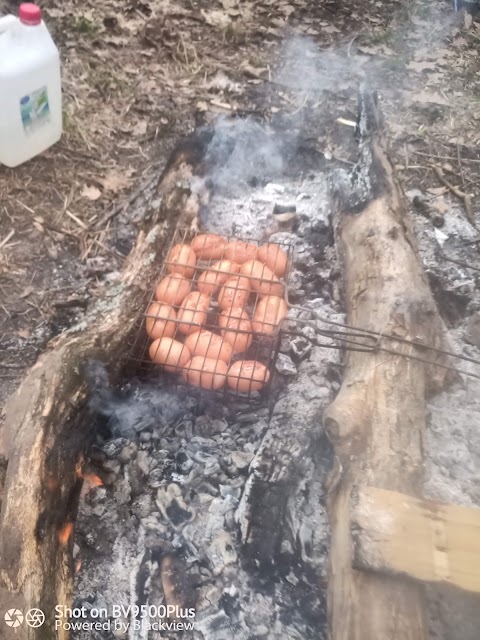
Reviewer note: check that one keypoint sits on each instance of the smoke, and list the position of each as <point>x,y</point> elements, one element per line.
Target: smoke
<point>139,406</point>
<point>308,83</point>
<point>241,152</point>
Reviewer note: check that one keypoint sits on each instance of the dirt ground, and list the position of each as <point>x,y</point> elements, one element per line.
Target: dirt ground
<point>137,75</point>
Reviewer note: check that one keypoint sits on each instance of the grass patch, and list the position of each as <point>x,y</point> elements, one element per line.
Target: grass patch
<point>85,26</point>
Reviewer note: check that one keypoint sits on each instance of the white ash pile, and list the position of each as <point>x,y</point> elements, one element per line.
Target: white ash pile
<point>216,507</point>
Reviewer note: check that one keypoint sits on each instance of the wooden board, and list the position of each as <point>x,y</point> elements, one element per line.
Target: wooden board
<point>428,541</point>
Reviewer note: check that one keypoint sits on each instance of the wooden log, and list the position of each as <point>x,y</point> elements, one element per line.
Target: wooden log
<point>46,431</point>
<point>377,420</point>
<point>427,541</point>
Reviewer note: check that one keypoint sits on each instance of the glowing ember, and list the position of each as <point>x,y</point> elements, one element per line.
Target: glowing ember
<point>65,533</point>
<point>92,480</point>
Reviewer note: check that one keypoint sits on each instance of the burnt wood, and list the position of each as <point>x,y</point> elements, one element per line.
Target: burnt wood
<point>377,420</point>
<point>46,429</point>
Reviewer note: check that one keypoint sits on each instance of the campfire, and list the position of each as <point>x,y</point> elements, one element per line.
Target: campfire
<point>214,451</point>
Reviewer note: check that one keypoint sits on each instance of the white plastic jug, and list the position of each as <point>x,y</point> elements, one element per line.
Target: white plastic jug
<point>30,87</point>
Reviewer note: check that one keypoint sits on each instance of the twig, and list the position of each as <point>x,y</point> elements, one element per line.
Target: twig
<point>450,158</point>
<point>460,166</point>
<point>123,205</point>
<point>348,123</point>
<point>456,191</point>
<point>77,220</point>
<point>9,235</point>
<point>459,262</point>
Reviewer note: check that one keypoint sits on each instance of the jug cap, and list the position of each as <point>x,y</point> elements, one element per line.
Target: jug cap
<point>29,14</point>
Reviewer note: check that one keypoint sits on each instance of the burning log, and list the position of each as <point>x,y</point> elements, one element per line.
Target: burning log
<point>376,422</point>
<point>45,430</point>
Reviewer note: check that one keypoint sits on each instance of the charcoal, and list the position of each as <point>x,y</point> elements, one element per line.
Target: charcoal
<point>300,348</point>
<point>222,552</point>
<point>285,365</point>
<point>127,453</point>
<point>241,460</point>
<point>113,447</point>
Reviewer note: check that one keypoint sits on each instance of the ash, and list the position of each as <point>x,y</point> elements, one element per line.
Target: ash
<point>222,508</point>
<point>452,440</point>
<point>216,507</point>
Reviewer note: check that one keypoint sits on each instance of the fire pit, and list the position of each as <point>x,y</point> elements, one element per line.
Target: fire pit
<point>183,518</point>
<point>157,500</point>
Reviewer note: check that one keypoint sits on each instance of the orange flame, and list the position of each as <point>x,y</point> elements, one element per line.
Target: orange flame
<point>93,480</point>
<point>65,533</point>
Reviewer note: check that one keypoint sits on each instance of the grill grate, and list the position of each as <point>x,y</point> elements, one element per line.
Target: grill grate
<point>211,300</point>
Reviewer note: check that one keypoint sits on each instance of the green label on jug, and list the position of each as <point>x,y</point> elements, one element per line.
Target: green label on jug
<point>35,110</point>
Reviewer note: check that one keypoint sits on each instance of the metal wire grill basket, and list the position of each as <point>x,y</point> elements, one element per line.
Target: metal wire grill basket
<point>214,318</point>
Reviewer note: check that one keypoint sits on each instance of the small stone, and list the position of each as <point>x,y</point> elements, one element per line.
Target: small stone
<point>145,436</point>
<point>241,459</point>
<point>285,365</point>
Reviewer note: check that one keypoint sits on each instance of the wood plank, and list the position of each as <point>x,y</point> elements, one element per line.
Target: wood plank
<point>427,541</point>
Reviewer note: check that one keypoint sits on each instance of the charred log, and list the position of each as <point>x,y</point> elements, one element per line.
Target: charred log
<point>45,432</point>
<point>376,423</point>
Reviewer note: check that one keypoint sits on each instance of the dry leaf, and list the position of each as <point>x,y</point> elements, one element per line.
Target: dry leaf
<point>23,333</point>
<point>26,292</point>
<point>330,29</point>
<point>437,191</point>
<point>440,205</point>
<point>91,192</point>
<point>115,182</point>
<point>140,129</point>
<point>228,4</point>
<point>216,18</point>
